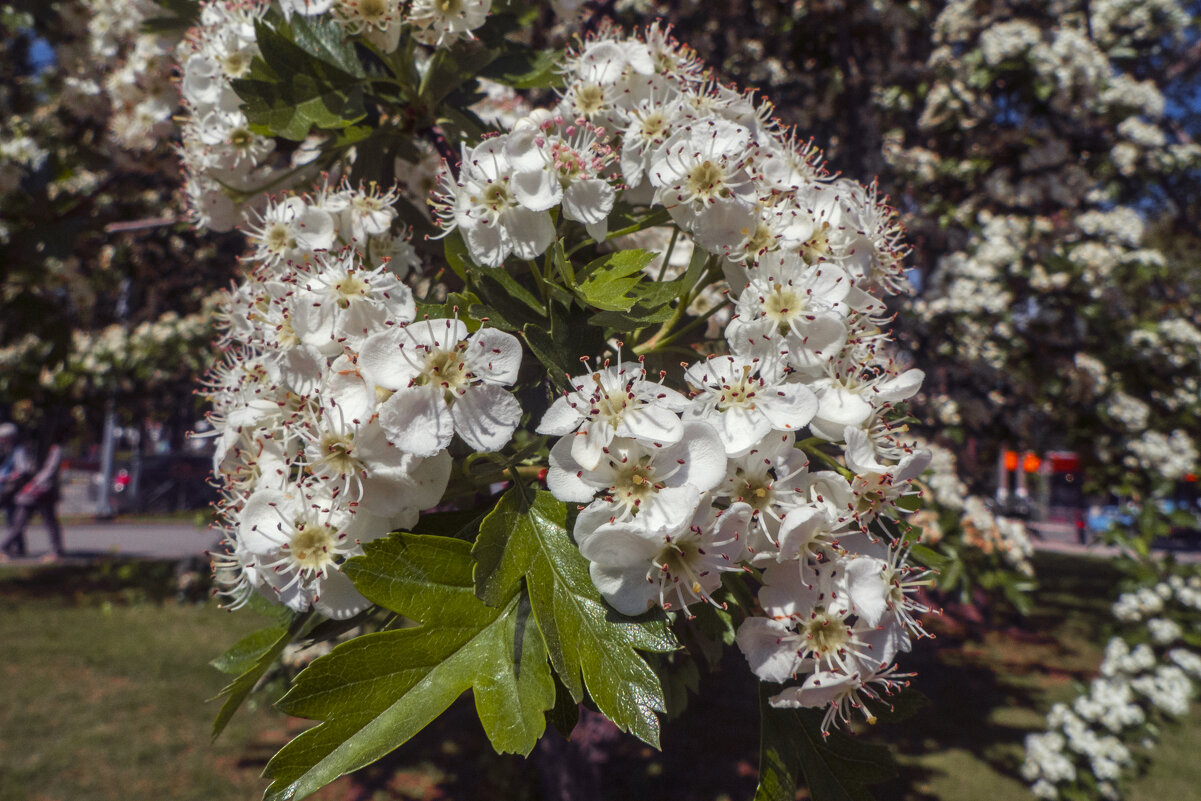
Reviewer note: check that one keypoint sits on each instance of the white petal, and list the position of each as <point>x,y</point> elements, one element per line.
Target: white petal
<point>381,361</point>
<point>860,454</point>
<point>589,201</point>
<point>760,640</point>
<point>260,526</point>
<point>417,420</point>
<point>530,232</point>
<point>901,387</point>
<point>560,419</point>
<point>620,545</point>
<point>863,580</point>
<point>494,356</point>
<point>626,589</point>
<point>489,245</point>
<point>703,455</point>
<point>651,424</point>
<point>788,406</point>
<point>563,477</point>
<point>485,416</point>
<point>336,597</point>
<point>536,190</point>
<point>589,443</point>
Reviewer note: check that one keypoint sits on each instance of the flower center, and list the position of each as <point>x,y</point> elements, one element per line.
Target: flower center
<point>611,406</point>
<point>235,64</point>
<point>497,197</point>
<point>590,99</point>
<point>445,368</point>
<point>635,482</point>
<point>654,125</point>
<point>756,491</point>
<point>350,288</point>
<point>739,393</point>
<point>826,633</point>
<point>817,246</point>
<point>278,238</point>
<point>373,12</point>
<point>782,305</point>
<point>312,545</point>
<point>706,182</point>
<point>336,452</point>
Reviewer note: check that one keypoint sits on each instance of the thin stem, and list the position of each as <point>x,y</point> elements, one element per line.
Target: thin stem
<point>671,246</point>
<point>810,448</point>
<point>691,324</point>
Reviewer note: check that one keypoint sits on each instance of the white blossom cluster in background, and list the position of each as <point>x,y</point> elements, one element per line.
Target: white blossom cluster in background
<point>135,88</point>
<point>1150,673</point>
<point>116,357</point>
<point>982,529</point>
<point>20,154</point>
<point>681,488</point>
<point>1017,242</point>
<point>334,406</point>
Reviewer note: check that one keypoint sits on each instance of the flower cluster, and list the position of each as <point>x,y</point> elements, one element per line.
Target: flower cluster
<point>950,509</point>
<point>1150,672</point>
<point>332,407</point>
<point>224,161</point>
<point>678,488</point>
<point>776,456</point>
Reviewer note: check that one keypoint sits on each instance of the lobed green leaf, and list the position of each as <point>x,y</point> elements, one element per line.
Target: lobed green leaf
<point>374,692</point>
<point>590,645</point>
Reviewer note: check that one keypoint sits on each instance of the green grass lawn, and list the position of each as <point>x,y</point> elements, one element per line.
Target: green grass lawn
<point>103,692</point>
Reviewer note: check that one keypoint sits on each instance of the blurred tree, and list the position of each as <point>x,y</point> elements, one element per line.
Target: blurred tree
<point>104,287</point>
<point>1042,157</point>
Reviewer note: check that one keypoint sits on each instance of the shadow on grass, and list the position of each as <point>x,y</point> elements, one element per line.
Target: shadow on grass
<point>99,578</point>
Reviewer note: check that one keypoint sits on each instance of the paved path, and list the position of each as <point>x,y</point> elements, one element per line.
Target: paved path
<point>123,538</point>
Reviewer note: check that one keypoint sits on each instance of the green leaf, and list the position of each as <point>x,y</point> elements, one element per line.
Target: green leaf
<point>449,69</point>
<point>457,255</point>
<point>590,645</point>
<point>628,321</point>
<point>236,692</point>
<point>834,768</point>
<point>552,353</point>
<point>326,40</point>
<point>292,90</point>
<point>499,289</point>
<point>375,692</point>
<point>243,654</point>
<point>606,282</point>
<point>525,69</point>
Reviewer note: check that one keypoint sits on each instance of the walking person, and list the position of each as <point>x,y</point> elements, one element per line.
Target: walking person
<point>16,468</point>
<point>39,494</point>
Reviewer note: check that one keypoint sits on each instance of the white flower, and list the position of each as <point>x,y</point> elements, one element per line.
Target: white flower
<point>616,401</point>
<point>746,398</point>
<point>444,381</point>
<point>500,202</point>
<point>635,569</point>
<point>659,484</point>
<point>701,174</point>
